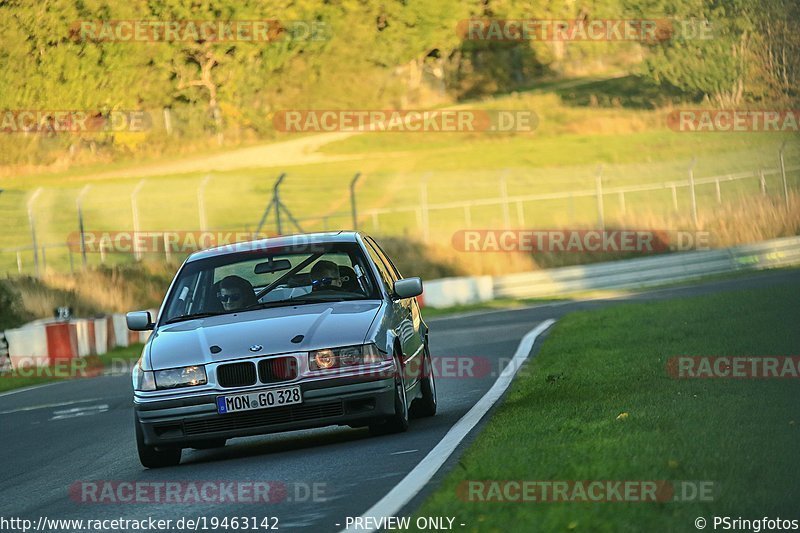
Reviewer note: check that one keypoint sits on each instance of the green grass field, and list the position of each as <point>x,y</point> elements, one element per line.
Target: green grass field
<point>742,435</point>
<point>562,155</point>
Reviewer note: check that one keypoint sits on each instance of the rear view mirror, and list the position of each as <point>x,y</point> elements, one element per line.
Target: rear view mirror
<point>139,321</point>
<point>268,267</point>
<point>407,288</point>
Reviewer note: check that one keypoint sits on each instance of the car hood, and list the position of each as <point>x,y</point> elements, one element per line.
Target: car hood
<point>323,325</point>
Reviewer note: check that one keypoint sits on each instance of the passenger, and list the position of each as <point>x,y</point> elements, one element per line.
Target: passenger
<point>325,276</point>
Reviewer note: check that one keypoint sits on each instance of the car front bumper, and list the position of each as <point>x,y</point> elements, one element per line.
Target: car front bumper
<point>183,422</point>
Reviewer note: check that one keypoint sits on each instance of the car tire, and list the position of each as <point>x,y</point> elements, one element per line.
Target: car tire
<point>426,405</point>
<point>150,457</point>
<point>398,423</point>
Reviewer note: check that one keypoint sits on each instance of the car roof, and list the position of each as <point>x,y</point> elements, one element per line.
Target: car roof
<point>276,242</point>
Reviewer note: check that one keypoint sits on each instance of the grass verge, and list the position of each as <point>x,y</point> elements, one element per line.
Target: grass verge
<point>740,434</point>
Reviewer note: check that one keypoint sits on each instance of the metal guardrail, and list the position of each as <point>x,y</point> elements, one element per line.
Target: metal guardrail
<point>649,271</point>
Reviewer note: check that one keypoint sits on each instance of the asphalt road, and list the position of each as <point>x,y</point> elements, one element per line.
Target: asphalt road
<point>81,431</point>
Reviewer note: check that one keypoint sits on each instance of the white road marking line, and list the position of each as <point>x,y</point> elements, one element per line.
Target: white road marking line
<point>377,478</point>
<point>402,452</point>
<point>415,480</point>
<point>79,411</point>
<point>32,387</point>
<point>47,406</point>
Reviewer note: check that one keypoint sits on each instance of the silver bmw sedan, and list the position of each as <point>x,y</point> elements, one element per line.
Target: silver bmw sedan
<point>280,334</point>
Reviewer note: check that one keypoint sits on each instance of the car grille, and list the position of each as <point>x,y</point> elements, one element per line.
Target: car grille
<point>236,375</point>
<point>277,369</point>
<point>263,417</point>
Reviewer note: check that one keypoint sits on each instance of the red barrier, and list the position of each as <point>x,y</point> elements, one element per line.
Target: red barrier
<point>62,341</point>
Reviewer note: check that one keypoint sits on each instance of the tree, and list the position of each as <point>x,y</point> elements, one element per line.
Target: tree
<point>728,67</point>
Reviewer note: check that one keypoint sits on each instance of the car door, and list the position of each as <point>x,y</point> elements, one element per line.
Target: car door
<point>409,327</point>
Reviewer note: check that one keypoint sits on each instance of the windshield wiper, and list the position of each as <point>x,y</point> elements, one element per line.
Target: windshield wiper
<point>278,303</point>
<point>190,317</point>
<point>293,301</point>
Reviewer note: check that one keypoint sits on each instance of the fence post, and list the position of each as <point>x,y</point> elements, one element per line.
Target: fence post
<point>599,183</point>
<point>691,186</point>
<point>719,195</point>
<point>167,251</point>
<point>19,261</point>
<point>276,198</point>
<point>79,205</point>
<point>783,176</point>
<point>674,196</point>
<point>762,181</point>
<point>353,209</point>
<point>32,222</point>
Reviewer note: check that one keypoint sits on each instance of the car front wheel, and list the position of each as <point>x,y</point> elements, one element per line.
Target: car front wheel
<point>398,422</point>
<point>426,404</point>
<point>151,457</point>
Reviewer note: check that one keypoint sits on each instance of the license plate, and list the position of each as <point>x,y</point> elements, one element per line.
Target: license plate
<point>236,403</point>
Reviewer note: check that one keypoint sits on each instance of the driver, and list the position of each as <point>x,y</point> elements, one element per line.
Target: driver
<point>236,293</point>
<point>325,276</point>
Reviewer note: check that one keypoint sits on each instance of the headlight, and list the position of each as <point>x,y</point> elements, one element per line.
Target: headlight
<point>142,379</point>
<point>366,354</point>
<point>188,376</point>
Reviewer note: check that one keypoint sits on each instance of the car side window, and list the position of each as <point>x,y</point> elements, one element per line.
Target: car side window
<point>186,292</point>
<point>385,276</point>
<point>393,272</point>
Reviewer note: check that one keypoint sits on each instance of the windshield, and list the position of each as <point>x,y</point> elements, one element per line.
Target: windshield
<point>270,278</point>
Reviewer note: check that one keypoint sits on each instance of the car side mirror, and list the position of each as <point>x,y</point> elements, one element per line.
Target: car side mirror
<point>407,288</point>
<point>139,321</point>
